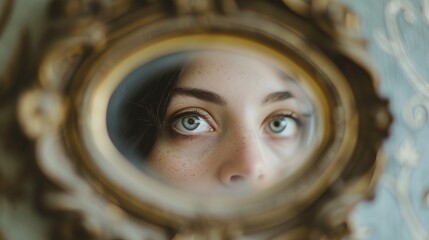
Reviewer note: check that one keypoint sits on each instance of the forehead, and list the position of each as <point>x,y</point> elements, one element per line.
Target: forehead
<point>223,70</point>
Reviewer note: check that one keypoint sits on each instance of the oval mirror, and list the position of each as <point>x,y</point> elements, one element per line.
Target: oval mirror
<point>213,120</point>
<point>209,120</point>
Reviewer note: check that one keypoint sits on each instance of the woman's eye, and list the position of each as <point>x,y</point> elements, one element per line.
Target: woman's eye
<point>283,126</point>
<point>191,125</point>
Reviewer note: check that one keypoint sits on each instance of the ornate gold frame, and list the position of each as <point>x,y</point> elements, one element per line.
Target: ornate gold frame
<point>94,44</point>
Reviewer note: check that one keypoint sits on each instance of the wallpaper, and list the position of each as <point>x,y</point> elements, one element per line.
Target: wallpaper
<point>398,38</point>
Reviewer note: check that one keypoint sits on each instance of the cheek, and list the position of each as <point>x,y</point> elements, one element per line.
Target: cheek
<point>286,153</point>
<point>184,162</point>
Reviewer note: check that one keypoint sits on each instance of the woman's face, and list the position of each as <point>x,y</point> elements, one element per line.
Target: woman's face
<point>233,122</point>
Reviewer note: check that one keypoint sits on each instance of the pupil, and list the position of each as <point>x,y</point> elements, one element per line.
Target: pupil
<point>277,124</point>
<point>191,121</point>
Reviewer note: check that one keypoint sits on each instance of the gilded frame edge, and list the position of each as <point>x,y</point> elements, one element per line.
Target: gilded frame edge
<point>54,117</point>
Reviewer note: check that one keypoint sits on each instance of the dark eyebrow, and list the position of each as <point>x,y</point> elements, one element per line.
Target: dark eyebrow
<point>200,94</point>
<point>277,96</point>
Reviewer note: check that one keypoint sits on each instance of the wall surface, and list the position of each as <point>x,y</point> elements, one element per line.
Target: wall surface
<point>21,26</point>
<point>398,34</point>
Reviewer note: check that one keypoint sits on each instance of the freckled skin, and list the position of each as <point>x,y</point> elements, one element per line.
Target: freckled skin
<point>238,152</point>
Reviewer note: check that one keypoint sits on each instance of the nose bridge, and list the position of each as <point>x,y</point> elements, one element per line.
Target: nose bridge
<point>245,160</point>
<point>249,148</point>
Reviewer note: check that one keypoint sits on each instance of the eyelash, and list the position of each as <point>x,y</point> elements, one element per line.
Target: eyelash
<point>187,113</point>
<point>291,115</point>
<point>284,134</point>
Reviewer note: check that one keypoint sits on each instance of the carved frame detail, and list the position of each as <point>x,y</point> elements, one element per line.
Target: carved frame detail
<point>82,36</point>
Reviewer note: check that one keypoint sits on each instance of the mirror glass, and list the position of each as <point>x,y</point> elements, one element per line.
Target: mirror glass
<point>213,121</point>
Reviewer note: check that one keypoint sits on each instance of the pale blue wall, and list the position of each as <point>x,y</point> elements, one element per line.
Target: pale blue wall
<point>18,219</point>
<point>398,33</point>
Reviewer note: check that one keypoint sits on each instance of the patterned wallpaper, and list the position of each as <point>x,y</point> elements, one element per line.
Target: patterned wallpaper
<point>398,34</point>
<point>21,27</point>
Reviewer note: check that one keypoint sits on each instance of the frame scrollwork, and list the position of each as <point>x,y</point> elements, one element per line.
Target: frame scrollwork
<point>87,39</point>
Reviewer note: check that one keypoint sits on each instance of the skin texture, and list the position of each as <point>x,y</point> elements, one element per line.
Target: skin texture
<point>237,102</point>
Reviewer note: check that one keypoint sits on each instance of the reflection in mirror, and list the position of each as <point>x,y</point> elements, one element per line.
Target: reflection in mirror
<point>213,121</point>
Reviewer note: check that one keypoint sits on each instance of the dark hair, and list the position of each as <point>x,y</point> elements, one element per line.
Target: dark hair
<point>136,112</point>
